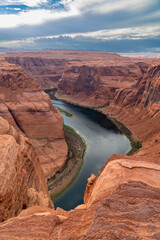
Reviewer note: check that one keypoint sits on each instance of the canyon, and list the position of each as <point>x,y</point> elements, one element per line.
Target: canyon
<point>26,107</point>
<point>123,201</point>
<point>122,87</point>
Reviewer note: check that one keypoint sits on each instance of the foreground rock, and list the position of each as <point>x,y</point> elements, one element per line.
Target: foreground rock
<point>122,203</point>
<point>29,110</point>
<point>22,183</point>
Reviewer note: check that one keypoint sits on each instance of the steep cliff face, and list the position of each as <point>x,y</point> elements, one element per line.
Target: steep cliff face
<point>47,67</point>
<point>29,109</point>
<point>79,78</point>
<point>145,92</point>
<point>122,203</point>
<point>151,94</point>
<point>45,71</point>
<point>98,80</point>
<point>133,98</point>
<point>22,183</point>
<point>120,86</point>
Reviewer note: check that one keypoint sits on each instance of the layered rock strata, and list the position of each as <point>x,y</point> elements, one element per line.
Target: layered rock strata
<point>93,79</point>
<point>119,86</point>
<point>45,71</point>
<point>22,182</point>
<point>125,207</point>
<point>30,110</point>
<point>123,201</point>
<point>47,67</point>
<point>133,99</point>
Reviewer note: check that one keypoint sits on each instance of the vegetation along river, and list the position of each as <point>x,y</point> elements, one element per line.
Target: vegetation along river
<point>102,139</point>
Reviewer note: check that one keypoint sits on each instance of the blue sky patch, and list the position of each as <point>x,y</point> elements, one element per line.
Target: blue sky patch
<point>13,9</point>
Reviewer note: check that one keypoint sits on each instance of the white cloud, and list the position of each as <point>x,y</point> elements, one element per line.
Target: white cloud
<point>33,17</point>
<point>142,32</point>
<point>136,33</point>
<point>30,3</point>
<point>107,6</point>
<point>18,43</point>
<point>72,8</point>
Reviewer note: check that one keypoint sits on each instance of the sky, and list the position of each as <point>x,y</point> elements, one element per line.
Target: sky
<point>97,25</point>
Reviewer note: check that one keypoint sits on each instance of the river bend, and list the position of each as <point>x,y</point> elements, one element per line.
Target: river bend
<point>102,139</point>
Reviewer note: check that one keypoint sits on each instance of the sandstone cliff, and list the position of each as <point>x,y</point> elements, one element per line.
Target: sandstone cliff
<point>151,93</point>
<point>29,109</point>
<point>119,86</point>
<point>125,207</point>
<point>131,94</point>
<point>45,71</point>
<point>140,111</point>
<point>22,182</point>
<point>123,201</point>
<point>47,67</point>
<point>98,82</point>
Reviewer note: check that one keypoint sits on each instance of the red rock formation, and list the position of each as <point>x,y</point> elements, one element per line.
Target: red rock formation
<point>47,67</point>
<point>45,71</point>
<point>140,111</point>
<point>29,109</point>
<point>151,93</point>
<point>120,84</point>
<point>22,183</point>
<point>94,77</point>
<point>123,204</point>
<point>123,201</point>
<point>133,100</point>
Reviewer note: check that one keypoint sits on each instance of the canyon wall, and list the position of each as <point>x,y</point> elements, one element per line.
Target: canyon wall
<point>127,206</point>
<point>22,182</point>
<point>47,67</point>
<point>30,110</point>
<point>124,88</point>
<point>123,202</point>
<point>128,92</point>
<point>45,71</point>
<point>98,82</point>
<point>140,111</point>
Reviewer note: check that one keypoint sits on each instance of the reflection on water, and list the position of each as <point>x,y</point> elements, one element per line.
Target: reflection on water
<point>102,139</point>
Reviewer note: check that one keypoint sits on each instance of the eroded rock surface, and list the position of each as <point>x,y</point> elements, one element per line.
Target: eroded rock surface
<point>96,78</point>
<point>124,203</point>
<point>46,71</point>
<point>22,182</point>
<point>29,109</point>
<point>47,67</point>
<point>133,100</point>
<point>123,87</point>
<point>131,212</point>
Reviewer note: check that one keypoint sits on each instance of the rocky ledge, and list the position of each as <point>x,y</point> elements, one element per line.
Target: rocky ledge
<point>127,206</point>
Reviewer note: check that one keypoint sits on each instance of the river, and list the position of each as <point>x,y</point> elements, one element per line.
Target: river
<point>102,139</point>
